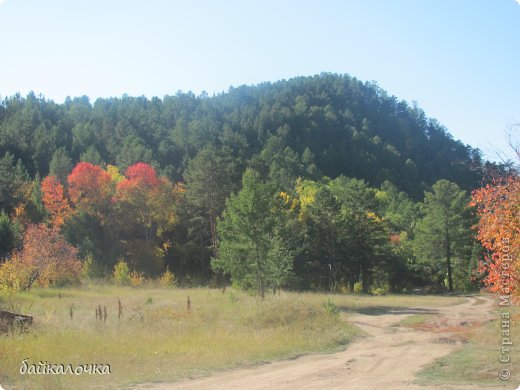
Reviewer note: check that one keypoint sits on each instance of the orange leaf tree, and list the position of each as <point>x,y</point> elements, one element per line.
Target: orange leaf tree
<point>145,205</point>
<point>55,201</point>
<point>90,188</point>
<point>106,214</point>
<point>498,205</point>
<point>46,259</point>
<point>146,201</point>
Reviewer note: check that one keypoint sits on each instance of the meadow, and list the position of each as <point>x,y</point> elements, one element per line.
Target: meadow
<point>164,336</point>
<point>158,337</point>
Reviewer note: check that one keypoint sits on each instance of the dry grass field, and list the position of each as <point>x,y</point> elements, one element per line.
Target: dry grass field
<point>161,338</point>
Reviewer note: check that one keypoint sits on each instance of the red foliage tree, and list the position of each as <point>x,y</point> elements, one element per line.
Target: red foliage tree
<point>146,200</point>
<point>146,209</point>
<point>143,174</point>
<point>55,201</point>
<point>498,205</point>
<point>90,187</point>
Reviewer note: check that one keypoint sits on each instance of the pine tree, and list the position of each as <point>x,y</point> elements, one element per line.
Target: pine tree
<point>443,237</point>
<point>251,249</point>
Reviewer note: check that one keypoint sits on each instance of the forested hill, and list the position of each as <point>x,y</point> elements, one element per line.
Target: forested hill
<point>307,126</point>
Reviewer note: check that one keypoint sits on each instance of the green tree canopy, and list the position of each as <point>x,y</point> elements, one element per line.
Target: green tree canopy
<point>251,250</point>
<point>61,165</point>
<point>443,239</point>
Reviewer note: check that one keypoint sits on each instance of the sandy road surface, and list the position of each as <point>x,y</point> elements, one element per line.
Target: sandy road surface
<point>388,359</point>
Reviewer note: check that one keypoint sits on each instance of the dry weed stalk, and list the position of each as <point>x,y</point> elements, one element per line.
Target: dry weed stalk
<point>120,307</point>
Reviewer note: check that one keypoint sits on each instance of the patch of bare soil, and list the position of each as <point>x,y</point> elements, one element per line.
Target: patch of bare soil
<point>388,359</point>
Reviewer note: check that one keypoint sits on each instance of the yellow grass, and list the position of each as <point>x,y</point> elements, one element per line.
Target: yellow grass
<point>158,339</point>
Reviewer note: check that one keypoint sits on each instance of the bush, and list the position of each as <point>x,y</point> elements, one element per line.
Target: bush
<point>358,288</point>
<point>91,269</point>
<point>13,276</point>
<point>381,290</point>
<point>122,274</point>
<point>167,279</point>
<point>136,279</point>
<point>331,308</point>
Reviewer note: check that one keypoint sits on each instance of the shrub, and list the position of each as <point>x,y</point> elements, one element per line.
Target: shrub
<point>136,279</point>
<point>122,274</point>
<point>91,269</point>
<point>331,308</point>
<point>358,288</point>
<point>167,279</point>
<point>12,275</point>
<point>381,290</point>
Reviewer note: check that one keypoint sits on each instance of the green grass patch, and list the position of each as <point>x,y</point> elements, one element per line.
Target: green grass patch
<point>415,320</point>
<point>355,303</point>
<point>477,362</point>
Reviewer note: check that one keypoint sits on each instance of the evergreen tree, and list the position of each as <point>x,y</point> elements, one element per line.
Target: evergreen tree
<point>327,241</point>
<point>7,235</point>
<point>60,165</point>
<point>211,177</point>
<point>91,155</point>
<point>443,237</point>
<point>13,178</point>
<point>251,249</point>
<point>366,231</point>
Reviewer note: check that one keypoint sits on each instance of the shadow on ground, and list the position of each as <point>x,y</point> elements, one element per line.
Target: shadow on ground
<point>385,310</point>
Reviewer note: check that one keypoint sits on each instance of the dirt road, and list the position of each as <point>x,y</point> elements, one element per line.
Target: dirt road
<point>388,359</point>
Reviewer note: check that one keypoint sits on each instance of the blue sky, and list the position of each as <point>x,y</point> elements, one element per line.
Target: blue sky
<point>460,60</point>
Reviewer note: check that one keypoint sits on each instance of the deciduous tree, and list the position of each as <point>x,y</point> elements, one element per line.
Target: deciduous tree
<point>46,259</point>
<point>90,188</point>
<point>54,200</point>
<point>498,205</point>
<point>146,211</point>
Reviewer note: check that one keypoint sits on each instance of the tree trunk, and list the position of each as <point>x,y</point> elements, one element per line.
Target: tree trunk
<point>262,288</point>
<point>364,276</point>
<point>202,258</point>
<point>32,279</point>
<point>214,237</point>
<point>260,276</point>
<point>448,260</point>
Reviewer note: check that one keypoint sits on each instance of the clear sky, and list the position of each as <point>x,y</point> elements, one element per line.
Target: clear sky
<point>459,59</point>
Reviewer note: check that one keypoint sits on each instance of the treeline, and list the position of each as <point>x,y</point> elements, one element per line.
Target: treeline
<point>352,162</point>
<point>330,234</point>
<point>322,125</point>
